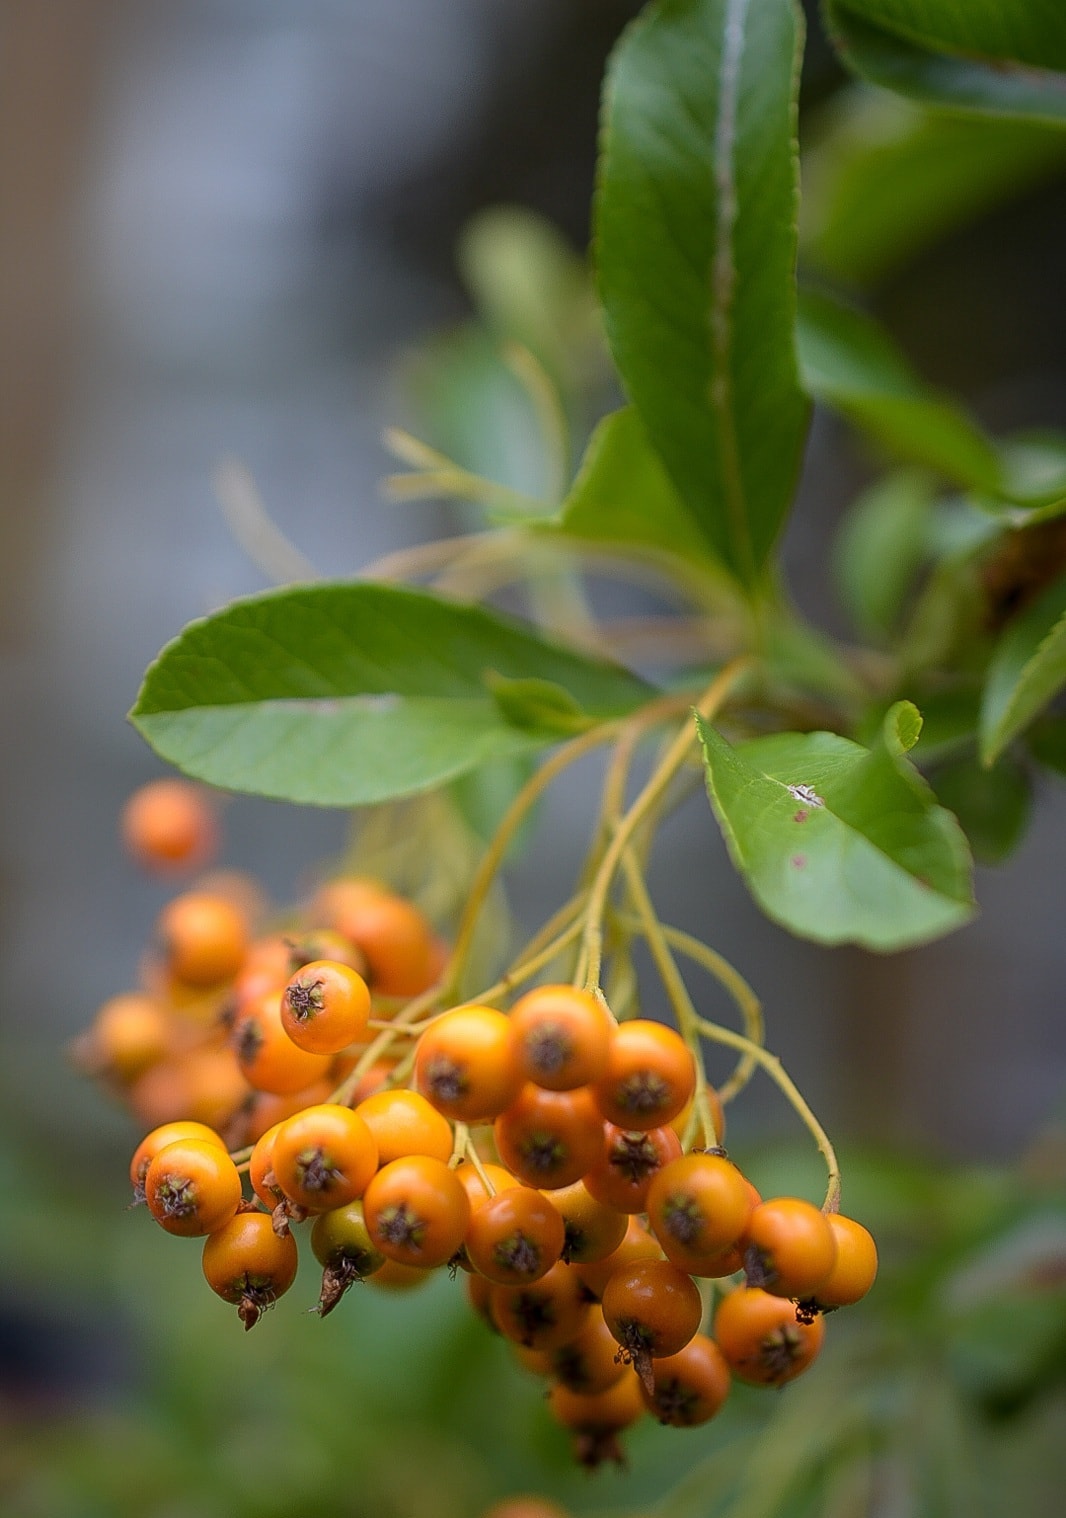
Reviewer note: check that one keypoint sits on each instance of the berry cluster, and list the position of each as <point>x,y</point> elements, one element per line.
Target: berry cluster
<point>570,1164</point>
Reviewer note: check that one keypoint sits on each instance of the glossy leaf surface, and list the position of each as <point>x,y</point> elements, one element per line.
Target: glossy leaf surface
<point>880,546</point>
<point>992,805</point>
<point>839,843</point>
<point>1007,57</point>
<point>622,494</point>
<point>848,362</point>
<point>1028,667</point>
<point>695,245</point>
<point>884,178</point>
<point>340,695</point>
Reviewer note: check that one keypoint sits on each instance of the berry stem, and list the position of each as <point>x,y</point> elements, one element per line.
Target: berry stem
<point>687,1017</point>
<point>493,857</point>
<point>435,474</point>
<point>381,1045</point>
<point>733,982</point>
<point>460,1145</point>
<point>529,967</point>
<point>707,706</point>
<point>426,558</point>
<point>777,1073</point>
<point>470,1151</point>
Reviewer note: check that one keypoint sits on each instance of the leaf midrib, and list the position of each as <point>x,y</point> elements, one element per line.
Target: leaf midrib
<point>724,280</point>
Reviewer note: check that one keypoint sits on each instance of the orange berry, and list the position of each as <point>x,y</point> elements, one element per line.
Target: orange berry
<point>590,1362</point>
<point>691,1386</point>
<point>597,1420</point>
<point>616,1408</point>
<point>593,1231</point>
<point>855,1268</point>
<point>324,1157</point>
<point>653,1309</point>
<point>542,1314</point>
<point>160,1094</point>
<point>395,938</point>
<point>204,938</point>
<point>403,1122</point>
<point>205,1084</point>
<point>416,1211</point>
<point>247,1263</point>
<point>549,1138</point>
<point>698,1206</point>
<point>267,1056</point>
<point>789,1247</point>
<point>192,1187</point>
<point>649,1076</point>
<point>215,1087</point>
<point>465,1064</point>
<point>560,1036</point>
<point>159,1138</point>
<point>325,1007</point>
<point>761,1339</point>
<point>170,826</point>
<point>515,1237</point>
<point>629,1162</point>
<point>129,1034</point>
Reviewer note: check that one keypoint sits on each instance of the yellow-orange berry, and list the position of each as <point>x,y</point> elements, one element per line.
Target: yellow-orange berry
<point>169,826</point>
<point>204,938</point>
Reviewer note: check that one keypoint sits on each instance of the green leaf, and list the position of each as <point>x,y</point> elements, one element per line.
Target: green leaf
<point>1000,56</point>
<point>537,705</point>
<point>949,722</point>
<point>1046,740</point>
<point>483,796</point>
<point>1028,667</point>
<point>695,244</point>
<point>622,494</point>
<point>802,659</point>
<point>851,364</point>
<point>1034,474</point>
<point>341,695</point>
<point>531,287</point>
<point>475,410</point>
<point>839,843</point>
<point>884,178</point>
<point>992,805</point>
<point>880,547</point>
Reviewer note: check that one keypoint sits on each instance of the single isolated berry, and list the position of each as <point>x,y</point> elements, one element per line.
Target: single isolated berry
<point>170,826</point>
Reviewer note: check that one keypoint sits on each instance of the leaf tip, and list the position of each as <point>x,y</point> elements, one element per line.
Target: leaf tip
<point>902,727</point>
